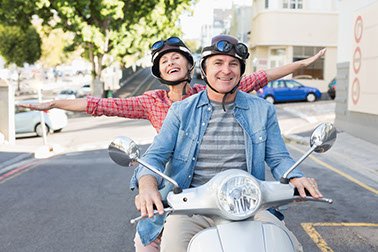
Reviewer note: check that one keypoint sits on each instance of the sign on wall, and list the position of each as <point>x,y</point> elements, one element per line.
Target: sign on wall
<point>363,81</point>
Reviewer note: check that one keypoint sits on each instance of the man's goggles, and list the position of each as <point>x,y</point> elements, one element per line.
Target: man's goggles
<point>224,46</point>
<point>172,41</point>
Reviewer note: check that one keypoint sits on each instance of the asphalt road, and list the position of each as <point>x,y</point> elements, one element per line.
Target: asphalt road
<point>80,200</point>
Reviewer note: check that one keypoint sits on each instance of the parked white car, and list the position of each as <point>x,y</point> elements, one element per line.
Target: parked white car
<point>84,90</point>
<point>66,94</point>
<point>29,121</point>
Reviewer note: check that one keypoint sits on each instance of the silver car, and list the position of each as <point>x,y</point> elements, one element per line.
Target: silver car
<point>29,121</point>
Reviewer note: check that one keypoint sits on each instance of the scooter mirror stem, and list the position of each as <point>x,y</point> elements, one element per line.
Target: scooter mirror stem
<point>284,179</point>
<point>176,188</point>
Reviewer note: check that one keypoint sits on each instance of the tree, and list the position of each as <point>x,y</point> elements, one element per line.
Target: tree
<point>19,45</point>
<point>108,30</point>
<point>54,44</point>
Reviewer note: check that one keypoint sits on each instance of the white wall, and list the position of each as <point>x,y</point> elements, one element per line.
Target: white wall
<point>345,33</point>
<point>358,40</point>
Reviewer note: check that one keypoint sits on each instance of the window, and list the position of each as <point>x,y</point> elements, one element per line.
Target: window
<point>292,4</point>
<point>276,84</point>
<point>278,51</point>
<point>277,57</point>
<point>315,70</point>
<point>293,84</point>
<point>18,109</point>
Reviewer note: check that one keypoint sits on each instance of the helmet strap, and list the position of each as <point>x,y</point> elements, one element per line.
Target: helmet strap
<point>174,83</point>
<point>184,89</point>
<point>224,94</point>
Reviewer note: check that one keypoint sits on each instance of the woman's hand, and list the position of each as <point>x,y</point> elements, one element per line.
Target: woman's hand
<point>306,183</point>
<point>37,106</point>
<point>314,58</point>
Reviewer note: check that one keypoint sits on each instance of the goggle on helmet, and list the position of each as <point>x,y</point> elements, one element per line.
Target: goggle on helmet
<point>161,47</point>
<point>226,45</point>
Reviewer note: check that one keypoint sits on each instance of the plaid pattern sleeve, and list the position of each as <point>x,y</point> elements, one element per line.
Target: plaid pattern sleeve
<point>152,105</point>
<point>130,107</point>
<point>253,81</point>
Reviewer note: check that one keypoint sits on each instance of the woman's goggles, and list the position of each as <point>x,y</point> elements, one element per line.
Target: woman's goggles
<point>172,41</point>
<point>224,46</point>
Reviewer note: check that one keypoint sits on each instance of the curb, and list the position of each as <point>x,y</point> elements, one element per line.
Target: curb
<point>296,139</point>
<point>16,160</point>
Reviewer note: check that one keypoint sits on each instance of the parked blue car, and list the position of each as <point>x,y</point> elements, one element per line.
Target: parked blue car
<point>288,90</point>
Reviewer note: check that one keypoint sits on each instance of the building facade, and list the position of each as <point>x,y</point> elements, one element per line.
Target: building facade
<point>284,31</point>
<point>357,63</point>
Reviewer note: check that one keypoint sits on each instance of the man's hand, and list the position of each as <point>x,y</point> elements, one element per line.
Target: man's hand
<point>148,197</point>
<point>306,183</point>
<point>37,106</point>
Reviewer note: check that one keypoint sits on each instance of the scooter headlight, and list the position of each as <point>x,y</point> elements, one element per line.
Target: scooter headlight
<point>239,197</point>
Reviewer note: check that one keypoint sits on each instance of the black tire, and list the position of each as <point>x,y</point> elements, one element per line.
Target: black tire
<point>311,97</point>
<point>270,99</point>
<point>38,129</point>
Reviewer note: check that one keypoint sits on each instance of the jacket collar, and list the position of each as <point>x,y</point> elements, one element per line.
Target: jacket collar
<point>240,100</point>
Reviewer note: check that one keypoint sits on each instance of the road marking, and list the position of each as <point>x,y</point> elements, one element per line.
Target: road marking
<point>330,167</point>
<point>18,170</point>
<point>317,238</point>
<point>297,113</point>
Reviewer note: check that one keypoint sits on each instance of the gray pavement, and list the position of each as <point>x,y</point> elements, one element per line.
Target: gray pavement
<point>359,155</point>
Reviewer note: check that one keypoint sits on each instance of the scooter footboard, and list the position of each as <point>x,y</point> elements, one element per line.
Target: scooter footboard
<point>243,236</point>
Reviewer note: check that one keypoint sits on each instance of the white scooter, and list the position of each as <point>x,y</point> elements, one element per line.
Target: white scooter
<point>235,196</point>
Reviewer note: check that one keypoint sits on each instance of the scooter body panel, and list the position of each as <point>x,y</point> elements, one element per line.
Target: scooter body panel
<point>244,236</point>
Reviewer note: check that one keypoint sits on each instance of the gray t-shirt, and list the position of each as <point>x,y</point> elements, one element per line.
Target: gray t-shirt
<point>222,147</point>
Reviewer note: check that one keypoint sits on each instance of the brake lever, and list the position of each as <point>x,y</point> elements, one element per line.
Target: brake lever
<point>309,198</point>
<point>166,210</point>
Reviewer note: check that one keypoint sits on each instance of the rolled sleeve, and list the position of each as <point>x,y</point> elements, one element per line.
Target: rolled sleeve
<point>278,157</point>
<point>159,152</point>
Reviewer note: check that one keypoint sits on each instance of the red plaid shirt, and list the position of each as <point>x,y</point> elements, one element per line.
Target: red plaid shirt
<point>153,105</point>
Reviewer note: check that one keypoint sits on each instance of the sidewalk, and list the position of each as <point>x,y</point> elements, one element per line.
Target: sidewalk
<point>358,155</point>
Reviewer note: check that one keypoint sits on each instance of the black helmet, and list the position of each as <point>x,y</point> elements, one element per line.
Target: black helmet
<point>226,45</point>
<point>161,47</point>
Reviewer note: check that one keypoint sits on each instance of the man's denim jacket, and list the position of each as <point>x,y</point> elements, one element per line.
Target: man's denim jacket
<point>181,135</point>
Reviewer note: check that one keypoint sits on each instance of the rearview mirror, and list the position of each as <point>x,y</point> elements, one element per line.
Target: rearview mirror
<point>323,137</point>
<point>123,151</point>
<point>321,140</point>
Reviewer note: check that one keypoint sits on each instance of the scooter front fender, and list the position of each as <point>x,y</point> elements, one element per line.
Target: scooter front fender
<point>242,236</point>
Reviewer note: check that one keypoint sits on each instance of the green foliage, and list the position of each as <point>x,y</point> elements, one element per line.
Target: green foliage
<point>19,45</point>
<point>107,30</point>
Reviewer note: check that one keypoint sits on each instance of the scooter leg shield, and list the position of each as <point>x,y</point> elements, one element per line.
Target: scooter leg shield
<point>244,236</point>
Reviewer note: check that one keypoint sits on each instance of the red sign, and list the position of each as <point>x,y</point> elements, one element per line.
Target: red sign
<point>355,91</point>
<point>358,28</point>
<point>357,60</point>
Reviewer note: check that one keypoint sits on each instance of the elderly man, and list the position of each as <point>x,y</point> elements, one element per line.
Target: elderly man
<point>220,128</point>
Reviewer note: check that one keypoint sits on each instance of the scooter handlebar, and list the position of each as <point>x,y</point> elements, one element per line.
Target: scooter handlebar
<point>310,198</point>
<point>135,220</point>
